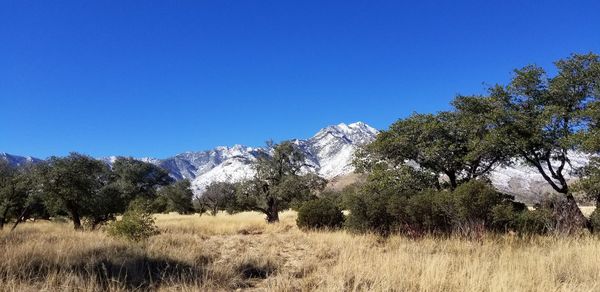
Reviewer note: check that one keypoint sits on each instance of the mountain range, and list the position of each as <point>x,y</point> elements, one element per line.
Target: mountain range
<point>328,153</point>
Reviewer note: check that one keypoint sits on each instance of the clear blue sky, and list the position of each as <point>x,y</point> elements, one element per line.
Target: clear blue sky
<point>156,78</point>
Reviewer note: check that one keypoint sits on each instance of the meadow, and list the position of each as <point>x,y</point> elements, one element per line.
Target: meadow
<point>243,252</point>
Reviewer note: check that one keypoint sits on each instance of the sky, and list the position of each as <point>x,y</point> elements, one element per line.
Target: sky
<point>157,78</point>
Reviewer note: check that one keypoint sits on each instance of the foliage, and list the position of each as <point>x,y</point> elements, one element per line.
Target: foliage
<point>178,197</point>
<point>318,214</point>
<point>589,183</point>
<point>541,118</point>
<point>136,225</point>
<point>137,178</point>
<point>378,205</point>
<point>13,192</point>
<point>538,221</point>
<point>595,220</point>
<point>474,205</point>
<point>458,145</point>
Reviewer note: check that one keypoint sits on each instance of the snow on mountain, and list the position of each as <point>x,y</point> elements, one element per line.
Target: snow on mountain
<point>328,153</point>
<point>16,160</point>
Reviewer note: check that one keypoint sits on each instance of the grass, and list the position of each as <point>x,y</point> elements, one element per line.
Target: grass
<point>241,251</point>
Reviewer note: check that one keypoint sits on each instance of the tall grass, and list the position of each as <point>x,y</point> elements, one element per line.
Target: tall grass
<point>241,251</point>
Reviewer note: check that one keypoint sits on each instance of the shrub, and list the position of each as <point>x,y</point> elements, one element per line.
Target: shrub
<point>319,213</point>
<point>136,225</point>
<point>430,211</point>
<point>595,221</point>
<point>538,221</point>
<point>369,213</point>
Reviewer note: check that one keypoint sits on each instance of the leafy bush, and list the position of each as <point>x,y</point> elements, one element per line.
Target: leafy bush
<point>430,211</point>
<point>538,221</point>
<point>319,213</point>
<point>472,207</point>
<point>136,225</point>
<point>595,221</point>
<point>369,213</point>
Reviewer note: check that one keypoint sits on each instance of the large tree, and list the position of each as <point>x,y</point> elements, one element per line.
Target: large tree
<point>278,183</point>
<point>542,119</point>
<point>74,184</point>
<point>457,145</point>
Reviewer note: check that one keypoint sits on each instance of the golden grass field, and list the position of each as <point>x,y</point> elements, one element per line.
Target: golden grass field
<point>231,252</point>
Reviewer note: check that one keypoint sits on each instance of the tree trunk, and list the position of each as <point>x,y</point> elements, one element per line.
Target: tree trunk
<point>20,219</point>
<point>76,220</point>
<point>3,218</point>
<point>452,179</point>
<point>568,216</point>
<point>272,211</point>
<point>272,217</point>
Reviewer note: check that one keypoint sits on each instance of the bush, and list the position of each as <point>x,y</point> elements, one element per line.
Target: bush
<point>595,221</point>
<point>136,225</point>
<point>318,214</point>
<point>430,211</point>
<point>538,221</point>
<point>369,213</point>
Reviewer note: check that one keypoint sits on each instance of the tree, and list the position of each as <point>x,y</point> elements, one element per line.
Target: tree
<point>218,196</point>
<point>178,196</point>
<point>541,119</point>
<point>457,144</point>
<point>137,178</point>
<point>278,184</point>
<point>13,191</point>
<point>73,184</point>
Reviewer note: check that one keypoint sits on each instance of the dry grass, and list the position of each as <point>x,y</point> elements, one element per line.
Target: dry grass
<point>243,252</point>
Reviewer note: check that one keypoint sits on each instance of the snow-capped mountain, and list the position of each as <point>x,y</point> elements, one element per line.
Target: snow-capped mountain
<point>328,153</point>
<point>18,160</point>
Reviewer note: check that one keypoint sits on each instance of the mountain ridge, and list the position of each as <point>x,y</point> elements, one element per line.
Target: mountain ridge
<point>328,153</point>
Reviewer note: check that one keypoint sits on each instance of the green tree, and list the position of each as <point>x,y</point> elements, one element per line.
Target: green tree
<point>179,197</point>
<point>137,178</point>
<point>458,145</point>
<point>278,183</point>
<point>73,184</point>
<point>541,118</point>
<point>13,191</point>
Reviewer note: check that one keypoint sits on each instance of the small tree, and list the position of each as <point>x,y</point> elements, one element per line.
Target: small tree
<point>218,196</point>
<point>278,183</point>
